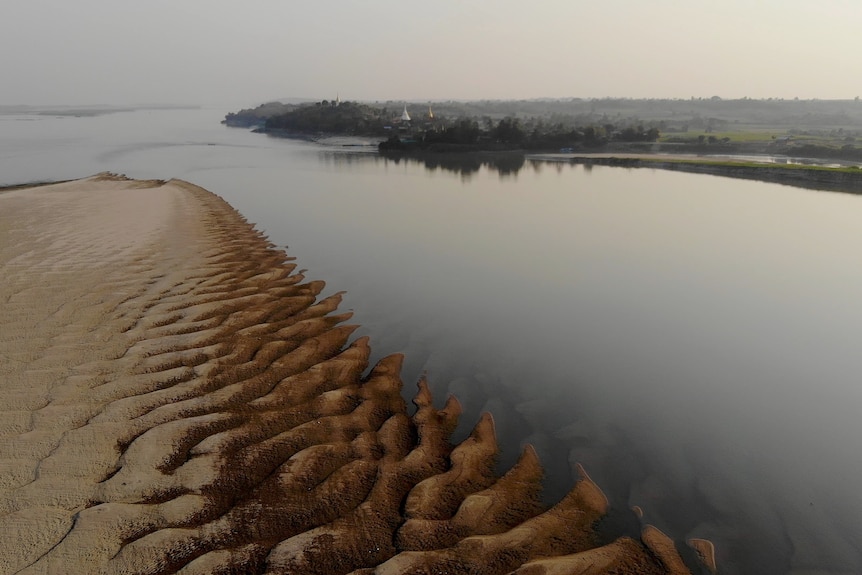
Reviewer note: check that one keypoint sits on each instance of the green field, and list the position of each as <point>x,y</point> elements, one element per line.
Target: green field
<point>734,136</point>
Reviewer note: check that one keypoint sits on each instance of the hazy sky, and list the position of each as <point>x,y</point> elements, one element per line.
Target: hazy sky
<point>244,53</point>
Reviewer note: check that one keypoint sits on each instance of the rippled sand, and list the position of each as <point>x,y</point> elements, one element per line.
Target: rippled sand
<point>175,398</point>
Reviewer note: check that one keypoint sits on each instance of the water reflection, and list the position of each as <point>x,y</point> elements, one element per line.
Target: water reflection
<point>669,331</point>
<point>465,165</point>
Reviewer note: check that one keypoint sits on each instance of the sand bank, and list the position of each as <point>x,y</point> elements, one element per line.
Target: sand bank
<point>174,397</point>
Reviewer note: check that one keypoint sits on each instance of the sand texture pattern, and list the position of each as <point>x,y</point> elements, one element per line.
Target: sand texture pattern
<point>176,398</point>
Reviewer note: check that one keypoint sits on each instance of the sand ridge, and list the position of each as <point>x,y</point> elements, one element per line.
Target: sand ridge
<point>176,398</point>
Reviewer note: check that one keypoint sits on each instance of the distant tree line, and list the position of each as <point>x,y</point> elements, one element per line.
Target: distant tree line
<point>669,115</point>
<point>812,128</point>
<point>331,118</point>
<point>440,133</point>
<point>514,134</point>
<point>256,117</point>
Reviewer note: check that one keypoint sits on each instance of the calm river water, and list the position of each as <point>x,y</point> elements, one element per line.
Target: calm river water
<point>694,341</point>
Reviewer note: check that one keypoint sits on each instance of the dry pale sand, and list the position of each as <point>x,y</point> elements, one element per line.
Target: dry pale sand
<point>174,398</point>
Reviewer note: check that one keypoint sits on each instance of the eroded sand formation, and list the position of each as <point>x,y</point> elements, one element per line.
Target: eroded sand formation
<point>174,398</point>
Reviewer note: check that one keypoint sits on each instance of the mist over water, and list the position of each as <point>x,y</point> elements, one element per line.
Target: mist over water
<point>691,340</point>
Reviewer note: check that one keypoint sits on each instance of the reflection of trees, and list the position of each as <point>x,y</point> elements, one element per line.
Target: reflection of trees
<point>507,164</point>
<point>466,164</point>
<point>463,164</point>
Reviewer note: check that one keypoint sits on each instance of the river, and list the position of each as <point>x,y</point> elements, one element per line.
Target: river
<point>693,341</point>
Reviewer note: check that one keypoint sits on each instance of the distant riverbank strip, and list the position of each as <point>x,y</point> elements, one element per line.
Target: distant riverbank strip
<point>838,179</point>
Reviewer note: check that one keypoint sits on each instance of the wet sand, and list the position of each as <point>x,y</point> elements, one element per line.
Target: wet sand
<point>174,397</point>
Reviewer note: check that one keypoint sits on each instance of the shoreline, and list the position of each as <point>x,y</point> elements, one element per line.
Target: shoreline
<point>176,396</point>
<point>26,185</point>
<point>821,178</point>
<point>844,179</point>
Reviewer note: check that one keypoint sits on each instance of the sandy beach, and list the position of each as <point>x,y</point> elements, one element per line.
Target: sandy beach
<point>176,398</point>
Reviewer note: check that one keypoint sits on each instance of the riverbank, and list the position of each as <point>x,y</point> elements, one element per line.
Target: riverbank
<point>508,160</point>
<point>838,179</point>
<point>175,396</point>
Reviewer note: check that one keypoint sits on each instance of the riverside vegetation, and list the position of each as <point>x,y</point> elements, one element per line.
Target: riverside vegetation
<point>826,129</point>
<point>629,133</point>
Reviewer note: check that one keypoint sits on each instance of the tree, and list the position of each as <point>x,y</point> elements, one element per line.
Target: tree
<point>509,131</point>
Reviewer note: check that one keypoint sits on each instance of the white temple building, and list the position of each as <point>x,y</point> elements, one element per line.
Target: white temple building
<point>405,117</point>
